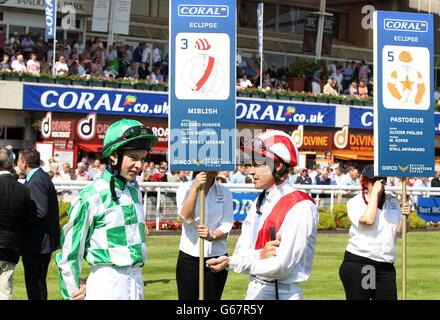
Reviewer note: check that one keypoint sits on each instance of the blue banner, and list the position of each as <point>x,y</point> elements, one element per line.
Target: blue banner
<point>282,113</point>
<point>202,84</point>
<point>242,204</point>
<point>50,19</point>
<point>404,108</point>
<point>139,103</point>
<point>429,209</point>
<point>113,102</point>
<point>363,118</point>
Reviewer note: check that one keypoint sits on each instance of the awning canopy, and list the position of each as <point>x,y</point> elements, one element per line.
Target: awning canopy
<point>159,150</point>
<point>90,147</point>
<point>353,155</point>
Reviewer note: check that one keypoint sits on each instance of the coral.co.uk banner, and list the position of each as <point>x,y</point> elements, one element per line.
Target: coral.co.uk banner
<point>149,104</point>
<point>52,98</point>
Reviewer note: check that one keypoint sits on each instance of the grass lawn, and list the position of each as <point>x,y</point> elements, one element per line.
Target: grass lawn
<point>423,278</point>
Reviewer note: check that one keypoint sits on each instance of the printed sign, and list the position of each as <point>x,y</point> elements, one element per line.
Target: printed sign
<point>99,101</point>
<point>142,104</point>
<point>202,84</point>
<point>404,108</point>
<point>281,113</point>
<point>363,118</point>
<point>50,18</point>
<point>242,203</point>
<point>429,208</point>
<point>312,140</point>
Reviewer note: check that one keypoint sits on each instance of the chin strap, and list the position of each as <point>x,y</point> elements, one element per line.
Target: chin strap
<point>279,174</point>
<point>115,170</point>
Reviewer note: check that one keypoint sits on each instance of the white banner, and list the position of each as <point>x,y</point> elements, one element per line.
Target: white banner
<point>121,18</point>
<point>101,9</point>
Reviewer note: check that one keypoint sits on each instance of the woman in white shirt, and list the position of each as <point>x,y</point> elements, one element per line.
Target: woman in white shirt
<point>18,64</point>
<point>367,271</point>
<point>61,67</point>
<point>32,65</point>
<point>218,223</point>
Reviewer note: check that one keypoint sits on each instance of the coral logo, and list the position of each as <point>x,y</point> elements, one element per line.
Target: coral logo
<point>129,100</point>
<point>405,25</point>
<point>206,11</point>
<point>290,111</point>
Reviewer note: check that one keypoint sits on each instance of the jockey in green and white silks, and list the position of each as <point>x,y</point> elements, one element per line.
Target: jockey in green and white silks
<point>106,221</point>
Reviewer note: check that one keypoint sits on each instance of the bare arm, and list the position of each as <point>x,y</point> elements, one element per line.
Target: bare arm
<point>369,216</point>
<point>188,210</point>
<point>405,209</point>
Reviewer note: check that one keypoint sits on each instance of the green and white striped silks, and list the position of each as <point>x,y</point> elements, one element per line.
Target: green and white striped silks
<point>102,231</point>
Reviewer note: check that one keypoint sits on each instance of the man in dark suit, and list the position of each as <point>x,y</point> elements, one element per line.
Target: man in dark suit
<point>15,215</point>
<point>44,235</point>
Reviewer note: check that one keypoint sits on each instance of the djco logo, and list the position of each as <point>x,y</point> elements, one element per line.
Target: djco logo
<point>341,138</point>
<point>46,126</point>
<point>298,136</point>
<point>86,127</point>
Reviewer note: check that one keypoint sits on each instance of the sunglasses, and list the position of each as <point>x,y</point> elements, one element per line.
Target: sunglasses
<point>133,132</point>
<point>136,131</point>
<point>257,154</point>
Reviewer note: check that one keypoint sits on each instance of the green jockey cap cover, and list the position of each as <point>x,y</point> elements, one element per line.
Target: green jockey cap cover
<point>128,134</point>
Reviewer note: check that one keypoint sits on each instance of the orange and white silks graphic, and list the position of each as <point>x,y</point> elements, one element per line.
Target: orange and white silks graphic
<point>406,83</point>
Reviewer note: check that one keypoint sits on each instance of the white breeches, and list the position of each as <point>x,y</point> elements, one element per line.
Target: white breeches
<point>261,290</point>
<point>109,283</point>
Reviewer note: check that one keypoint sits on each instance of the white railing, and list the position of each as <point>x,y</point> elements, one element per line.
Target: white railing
<point>162,188</point>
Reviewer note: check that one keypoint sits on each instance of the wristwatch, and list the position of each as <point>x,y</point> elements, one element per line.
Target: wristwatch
<point>213,237</point>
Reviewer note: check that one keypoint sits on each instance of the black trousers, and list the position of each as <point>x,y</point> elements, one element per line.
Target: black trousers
<point>366,279</point>
<point>187,277</point>
<point>35,272</point>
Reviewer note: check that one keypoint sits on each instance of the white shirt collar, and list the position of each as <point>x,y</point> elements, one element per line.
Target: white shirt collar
<point>277,190</point>
<point>4,172</point>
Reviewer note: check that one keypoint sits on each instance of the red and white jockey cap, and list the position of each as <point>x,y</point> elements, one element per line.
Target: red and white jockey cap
<point>276,145</point>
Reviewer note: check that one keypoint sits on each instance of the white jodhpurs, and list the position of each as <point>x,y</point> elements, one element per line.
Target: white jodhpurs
<point>109,283</point>
<point>262,290</point>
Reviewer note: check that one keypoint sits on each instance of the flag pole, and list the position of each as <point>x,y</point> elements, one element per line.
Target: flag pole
<point>202,246</point>
<point>404,251</point>
<point>54,38</point>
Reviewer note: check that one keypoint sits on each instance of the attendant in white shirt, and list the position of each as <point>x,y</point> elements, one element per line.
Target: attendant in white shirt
<point>218,223</point>
<point>371,252</point>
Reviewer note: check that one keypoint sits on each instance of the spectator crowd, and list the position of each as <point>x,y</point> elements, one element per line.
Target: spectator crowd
<point>117,61</point>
